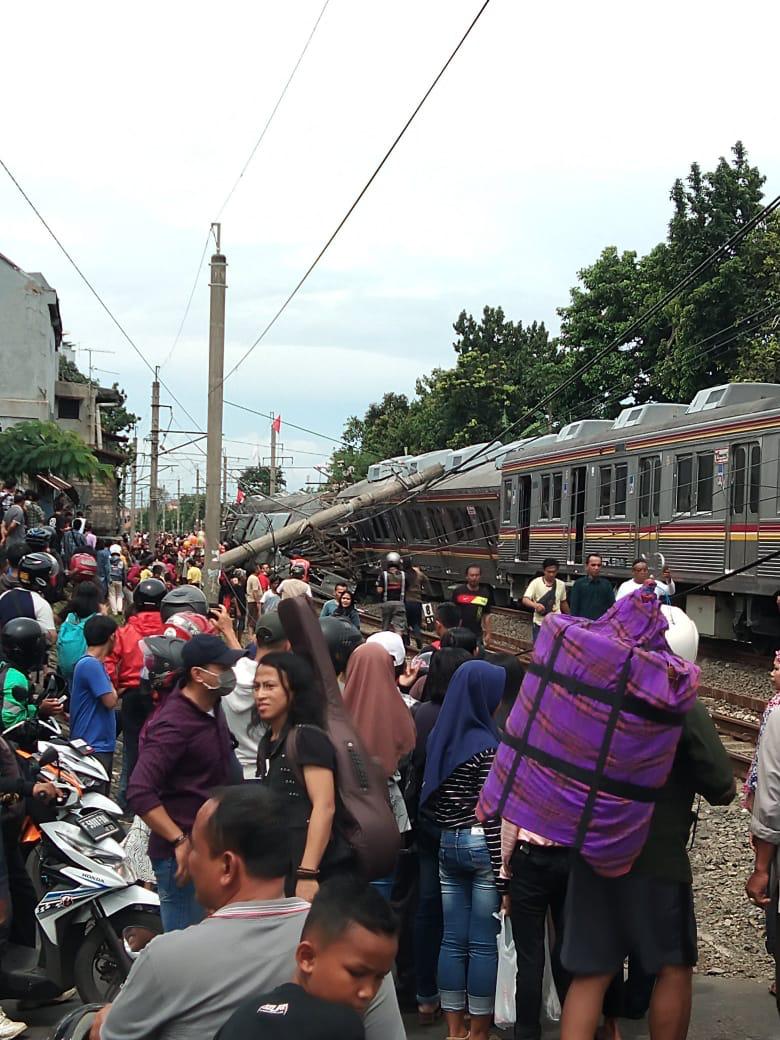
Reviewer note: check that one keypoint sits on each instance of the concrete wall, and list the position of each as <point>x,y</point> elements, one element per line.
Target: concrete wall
<point>27,347</point>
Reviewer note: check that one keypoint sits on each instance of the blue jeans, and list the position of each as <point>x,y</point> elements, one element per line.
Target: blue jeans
<point>469,957</point>
<point>428,918</point>
<point>178,905</point>
<point>535,630</point>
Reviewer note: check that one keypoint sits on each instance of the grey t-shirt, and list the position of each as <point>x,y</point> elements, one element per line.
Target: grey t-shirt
<point>186,984</point>
<point>16,513</point>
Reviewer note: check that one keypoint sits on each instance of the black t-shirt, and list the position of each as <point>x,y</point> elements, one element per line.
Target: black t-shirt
<point>473,605</point>
<point>273,768</point>
<point>290,1013</point>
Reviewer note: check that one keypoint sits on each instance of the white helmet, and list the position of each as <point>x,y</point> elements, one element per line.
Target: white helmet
<point>115,550</point>
<point>682,635</point>
<point>393,559</point>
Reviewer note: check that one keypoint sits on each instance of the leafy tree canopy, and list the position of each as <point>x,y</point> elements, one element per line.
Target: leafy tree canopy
<point>722,328</point>
<point>256,480</point>
<point>43,447</point>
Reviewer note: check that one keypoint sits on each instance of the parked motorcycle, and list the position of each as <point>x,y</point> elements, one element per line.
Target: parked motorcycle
<point>89,899</point>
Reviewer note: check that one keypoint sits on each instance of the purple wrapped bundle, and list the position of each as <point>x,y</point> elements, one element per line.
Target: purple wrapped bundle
<point>593,733</point>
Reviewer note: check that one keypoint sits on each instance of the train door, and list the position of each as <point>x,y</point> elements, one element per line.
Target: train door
<point>745,503</point>
<point>523,517</point>
<point>649,507</point>
<point>578,475</point>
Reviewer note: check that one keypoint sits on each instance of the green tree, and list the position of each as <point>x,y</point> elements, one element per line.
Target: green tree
<point>256,480</point>
<point>42,447</point>
<point>701,338</point>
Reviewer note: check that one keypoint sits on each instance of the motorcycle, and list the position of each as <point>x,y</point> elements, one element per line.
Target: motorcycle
<point>90,899</point>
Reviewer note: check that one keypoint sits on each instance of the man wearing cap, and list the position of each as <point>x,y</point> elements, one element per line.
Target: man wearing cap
<point>186,752</point>
<point>238,705</point>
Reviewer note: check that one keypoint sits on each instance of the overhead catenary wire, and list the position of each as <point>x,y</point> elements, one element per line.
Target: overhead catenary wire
<point>357,200</point>
<point>714,257</point>
<point>237,181</point>
<point>94,291</point>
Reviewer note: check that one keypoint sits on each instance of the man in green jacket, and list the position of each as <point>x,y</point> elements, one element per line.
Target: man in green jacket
<point>591,595</point>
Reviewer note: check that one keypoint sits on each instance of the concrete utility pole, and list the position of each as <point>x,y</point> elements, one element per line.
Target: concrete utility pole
<point>133,486</point>
<point>224,478</point>
<point>154,436</point>
<point>218,287</point>
<point>386,490</point>
<point>272,472</point>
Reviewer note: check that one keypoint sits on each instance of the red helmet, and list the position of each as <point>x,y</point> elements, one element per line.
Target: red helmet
<point>186,625</point>
<point>83,567</point>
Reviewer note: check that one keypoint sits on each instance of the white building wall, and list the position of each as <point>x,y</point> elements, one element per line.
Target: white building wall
<point>28,357</point>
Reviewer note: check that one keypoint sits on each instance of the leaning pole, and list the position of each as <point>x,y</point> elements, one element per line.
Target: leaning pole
<point>325,517</point>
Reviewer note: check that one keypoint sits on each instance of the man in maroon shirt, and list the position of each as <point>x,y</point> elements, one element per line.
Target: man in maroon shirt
<point>186,752</point>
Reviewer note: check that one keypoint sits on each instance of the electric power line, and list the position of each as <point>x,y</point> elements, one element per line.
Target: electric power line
<point>94,291</point>
<point>357,201</point>
<point>244,168</point>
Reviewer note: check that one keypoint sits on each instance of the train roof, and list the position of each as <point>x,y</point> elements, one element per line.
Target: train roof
<point>709,407</point>
<point>475,473</point>
<point>298,502</point>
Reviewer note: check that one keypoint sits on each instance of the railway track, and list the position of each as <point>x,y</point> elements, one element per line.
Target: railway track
<point>738,735</point>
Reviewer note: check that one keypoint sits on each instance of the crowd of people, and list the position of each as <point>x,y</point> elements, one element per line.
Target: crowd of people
<point>237,800</point>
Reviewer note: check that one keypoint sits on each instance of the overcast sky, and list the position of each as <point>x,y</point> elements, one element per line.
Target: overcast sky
<point>557,130</point>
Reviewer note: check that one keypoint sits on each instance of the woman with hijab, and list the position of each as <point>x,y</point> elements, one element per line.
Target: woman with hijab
<point>383,722</point>
<point>428,918</point>
<point>460,753</point>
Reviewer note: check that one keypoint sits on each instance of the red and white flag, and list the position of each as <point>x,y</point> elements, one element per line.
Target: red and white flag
<point>240,496</point>
<point>276,425</point>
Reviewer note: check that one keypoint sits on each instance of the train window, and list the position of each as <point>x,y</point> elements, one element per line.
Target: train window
<point>682,502</point>
<point>506,503</point>
<point>621,480</point>
<point>605,486</point>
<point>738,481</point>
<point>755,478</point>
<point>456,524</point>
<point>544,498</point>
<point>437,526</point>
<point>557,492</point>
<point>645,486</point>
<point>704,470</point>
<point>657,486</point>
<point>486,523</point>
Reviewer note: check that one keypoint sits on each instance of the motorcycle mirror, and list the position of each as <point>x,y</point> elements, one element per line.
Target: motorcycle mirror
<point>135,938</point>
<point>49,756</point>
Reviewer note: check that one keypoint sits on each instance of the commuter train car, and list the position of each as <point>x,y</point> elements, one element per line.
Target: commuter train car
<point>693,486</point>
<point>442,529</point>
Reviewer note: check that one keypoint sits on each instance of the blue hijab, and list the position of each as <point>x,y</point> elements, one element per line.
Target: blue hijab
<point>465,724</point>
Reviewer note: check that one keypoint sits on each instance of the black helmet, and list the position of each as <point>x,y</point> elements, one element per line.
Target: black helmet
<point>186,599</point>
<point>39,538</point>
<point>149,594</point>
<point>297,570</point>
<point>35,571</point>
<point>24,644</point>
<point>342,639</point>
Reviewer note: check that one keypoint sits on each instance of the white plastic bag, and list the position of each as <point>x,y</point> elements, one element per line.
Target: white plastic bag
<point>504,1010</point>
<point>550,1002</point>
